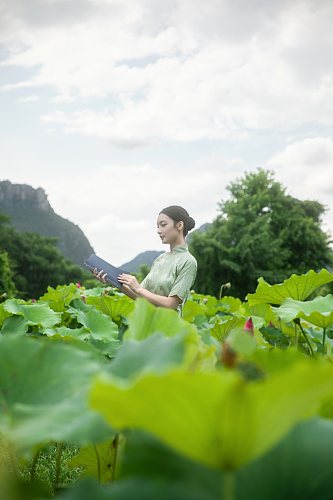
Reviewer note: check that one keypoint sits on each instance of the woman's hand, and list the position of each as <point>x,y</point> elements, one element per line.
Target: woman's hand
<point>100,276</point>
<point>130,281</point>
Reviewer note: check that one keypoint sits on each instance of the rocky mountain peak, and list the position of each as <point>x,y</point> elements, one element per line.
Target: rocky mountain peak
<point>22,194</point>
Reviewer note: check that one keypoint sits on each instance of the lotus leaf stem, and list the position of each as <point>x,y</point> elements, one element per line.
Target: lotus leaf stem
<point>298,322</point>
<point>115,445</point>
<point>60,447</point>
<point>98,462</point>
<point>324,338</point>
<point>229,484</point>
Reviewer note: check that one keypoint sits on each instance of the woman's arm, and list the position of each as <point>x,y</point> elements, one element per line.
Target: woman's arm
<point>159,300</point>
<point>132,285</point>
<point>127,291</point>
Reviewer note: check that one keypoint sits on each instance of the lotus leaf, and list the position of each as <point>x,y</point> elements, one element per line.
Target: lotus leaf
<point>296,287</point>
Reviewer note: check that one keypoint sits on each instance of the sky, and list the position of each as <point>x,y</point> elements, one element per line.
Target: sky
<point>118,108</point>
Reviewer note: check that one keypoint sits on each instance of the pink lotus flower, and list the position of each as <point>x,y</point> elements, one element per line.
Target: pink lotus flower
<point>249,327</point>
<point>78,284</point>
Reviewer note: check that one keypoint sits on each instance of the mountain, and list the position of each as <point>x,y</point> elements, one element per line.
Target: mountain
<point>30,211</point>
<point>148,257</point>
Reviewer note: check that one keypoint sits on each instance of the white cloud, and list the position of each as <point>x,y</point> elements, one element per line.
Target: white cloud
<point>182,70</point>
<point>306,167</point>
<point>140,72</point>
<point>29,98</point>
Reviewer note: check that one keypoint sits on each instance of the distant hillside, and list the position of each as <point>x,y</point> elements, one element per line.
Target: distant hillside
<point>148,257</point>
<point>30,211</point>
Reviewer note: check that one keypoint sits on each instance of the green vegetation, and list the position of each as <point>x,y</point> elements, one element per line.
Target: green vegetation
<point>260,232</point>
<point>104,397</point>
<point>30,262</point>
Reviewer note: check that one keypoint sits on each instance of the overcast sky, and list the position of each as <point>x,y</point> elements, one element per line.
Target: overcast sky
<point>118,108</point>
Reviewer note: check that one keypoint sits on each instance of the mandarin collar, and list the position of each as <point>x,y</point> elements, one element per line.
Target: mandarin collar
<point>179,248</point>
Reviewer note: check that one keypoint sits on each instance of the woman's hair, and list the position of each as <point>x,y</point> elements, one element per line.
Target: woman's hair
<point>177,213</point>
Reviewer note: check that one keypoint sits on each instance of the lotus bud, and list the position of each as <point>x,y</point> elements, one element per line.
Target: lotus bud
<point>249,327</point>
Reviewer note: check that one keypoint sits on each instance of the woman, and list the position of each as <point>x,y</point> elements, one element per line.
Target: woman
<point>173,273</point>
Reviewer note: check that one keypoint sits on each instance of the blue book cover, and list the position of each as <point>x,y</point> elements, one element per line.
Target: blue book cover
<point>95,262</point>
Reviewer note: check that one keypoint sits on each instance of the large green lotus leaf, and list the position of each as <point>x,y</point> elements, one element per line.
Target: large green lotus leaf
<point>295,287</point>
<point>107,347</point>
<point>241,342</point>
<point>158,353</point>
<point>299,467</point>
<point>192,309</point>
<point>134,489</point>
<point>13,306</point>
<point>63,331</point>
<point>147,458</point>
<point>95,292</point>
<point>263,311</point>
<point>318,311</point>
<point>216,418</point>
<point>233,304</point>
<point>153,354</point>
<point>3,314</point>
<point>209,306</point>
<point>272,361</point>
<point>98,324</point>
<point>34,314</point>
<point>223,326</point>
<point>43,392</point>
<point>113,306</point>
<point>147,319</point>
<point>15,325</point>
<point>60,297</point>
<point>78,305</point>
<point>199,355</point>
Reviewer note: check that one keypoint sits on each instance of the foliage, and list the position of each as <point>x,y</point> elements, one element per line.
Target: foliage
<point>36,262</point>
<point>260,232</point>
<point>233,401</point>
<point>142,273</point>
<point>7,287</point>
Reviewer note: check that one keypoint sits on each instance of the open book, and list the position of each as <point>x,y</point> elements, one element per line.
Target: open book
<point>95,262</point>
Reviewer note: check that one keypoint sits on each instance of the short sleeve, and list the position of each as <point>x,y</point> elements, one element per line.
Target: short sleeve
<point>185,279</point>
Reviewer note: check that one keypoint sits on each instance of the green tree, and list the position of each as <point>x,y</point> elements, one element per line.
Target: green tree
<point>36,261</point>
<point>7,287</point>
<point>142,273</point>
<point>260,231</point>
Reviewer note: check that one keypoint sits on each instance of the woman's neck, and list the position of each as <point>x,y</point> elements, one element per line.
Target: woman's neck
<point>179,241</point>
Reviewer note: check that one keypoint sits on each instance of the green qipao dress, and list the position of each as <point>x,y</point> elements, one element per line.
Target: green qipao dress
<point>172,273</point>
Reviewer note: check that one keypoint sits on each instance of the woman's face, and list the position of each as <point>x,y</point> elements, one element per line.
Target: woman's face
<point>167,229</point>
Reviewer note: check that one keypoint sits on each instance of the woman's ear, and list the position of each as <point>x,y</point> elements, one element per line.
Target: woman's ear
<point>180,225</point>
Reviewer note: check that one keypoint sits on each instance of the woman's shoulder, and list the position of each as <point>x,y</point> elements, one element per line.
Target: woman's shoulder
<point>187,258</point>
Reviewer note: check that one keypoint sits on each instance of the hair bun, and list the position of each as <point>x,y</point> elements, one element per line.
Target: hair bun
<point>191,223</point>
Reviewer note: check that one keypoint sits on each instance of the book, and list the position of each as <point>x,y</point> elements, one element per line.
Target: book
<point>112,272</point>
